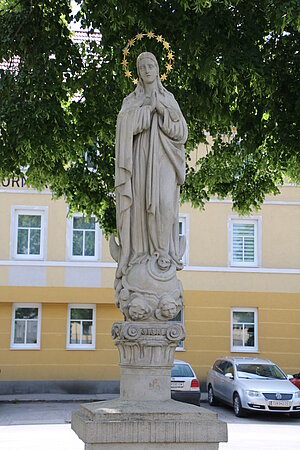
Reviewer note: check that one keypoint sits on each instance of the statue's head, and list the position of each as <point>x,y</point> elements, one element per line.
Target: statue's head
<point>139,309</point>
<point>146,63</point>
<point>168,307</point>
<point>148,72</point>
<point>147,68</point>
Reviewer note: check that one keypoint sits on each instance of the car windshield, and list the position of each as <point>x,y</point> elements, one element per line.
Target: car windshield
<point>181,370</point>
<point>265,371</point>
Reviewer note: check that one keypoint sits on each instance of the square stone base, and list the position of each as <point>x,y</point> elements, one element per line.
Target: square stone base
<point>148,425</point>
<point>151,446</point>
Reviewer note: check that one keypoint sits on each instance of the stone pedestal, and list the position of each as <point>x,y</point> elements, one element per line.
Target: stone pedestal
<point>145,417</point>
<point>146,351</point>
<point>148,425</point>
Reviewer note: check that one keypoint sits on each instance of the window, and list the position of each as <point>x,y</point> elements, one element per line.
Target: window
<point>29,234</point>
<point>91,158</point>
<point>244,242</point>
<point>179,319</point>
<point>83,243</point>
<point>26,326</point>
<point>184,233</point>
<point>218,366</point>
<point>28,231</point>
<point>182,370</point>
<point>244,330</point>
<point>229,368</point>
<point>81,327</point>
<point>83,238</point>
<point>223,367</point>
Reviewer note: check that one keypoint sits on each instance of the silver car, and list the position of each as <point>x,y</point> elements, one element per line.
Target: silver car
<point>184,383</point>
<point>252,384</point>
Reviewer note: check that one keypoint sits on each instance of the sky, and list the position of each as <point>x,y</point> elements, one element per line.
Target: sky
<point>75,8</point>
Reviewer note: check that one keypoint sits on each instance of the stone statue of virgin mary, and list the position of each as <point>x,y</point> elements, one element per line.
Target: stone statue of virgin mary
<point>150,167</point>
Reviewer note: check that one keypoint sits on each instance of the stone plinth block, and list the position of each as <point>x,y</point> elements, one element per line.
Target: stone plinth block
<point>147,425</point>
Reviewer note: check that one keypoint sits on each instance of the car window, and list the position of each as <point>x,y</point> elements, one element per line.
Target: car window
<point>181,370</point>
<point>216,365</point>
<point>229,368</point>
<point>221,366</point>
<point>260,371</point>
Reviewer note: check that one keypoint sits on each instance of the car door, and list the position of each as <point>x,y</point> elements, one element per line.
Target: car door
<point>219,378</point>
<point>228,385</point>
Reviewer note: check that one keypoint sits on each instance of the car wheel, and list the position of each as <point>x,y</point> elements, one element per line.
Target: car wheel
<point>237,406</point>
<point>211,396</point>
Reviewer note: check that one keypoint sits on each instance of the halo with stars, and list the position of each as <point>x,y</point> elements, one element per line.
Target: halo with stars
<point>139,37</point>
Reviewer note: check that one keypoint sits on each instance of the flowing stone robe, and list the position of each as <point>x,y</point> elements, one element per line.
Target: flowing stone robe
<point>150,167</point>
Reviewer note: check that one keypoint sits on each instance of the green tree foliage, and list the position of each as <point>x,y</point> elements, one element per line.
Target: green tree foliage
<point>236,66</point>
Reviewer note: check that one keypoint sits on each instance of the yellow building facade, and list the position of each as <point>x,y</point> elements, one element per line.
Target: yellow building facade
<point>241,281</point>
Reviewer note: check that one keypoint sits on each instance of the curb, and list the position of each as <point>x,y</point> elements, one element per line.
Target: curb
<point>64,398</point>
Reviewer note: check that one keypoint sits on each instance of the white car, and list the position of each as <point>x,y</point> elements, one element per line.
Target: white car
<point>184,383</point>
<point>252,384</point>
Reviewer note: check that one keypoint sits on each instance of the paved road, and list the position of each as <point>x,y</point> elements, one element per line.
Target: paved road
<point>259,431</point>
<point>38,426</point>
<point>39,437</point>
<point>46,425</point>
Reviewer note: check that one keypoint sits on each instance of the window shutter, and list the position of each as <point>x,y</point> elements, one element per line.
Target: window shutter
<point>243,243</point>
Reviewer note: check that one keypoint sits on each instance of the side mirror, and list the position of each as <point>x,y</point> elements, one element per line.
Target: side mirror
<point>289,377</point>
<point>229,375</point>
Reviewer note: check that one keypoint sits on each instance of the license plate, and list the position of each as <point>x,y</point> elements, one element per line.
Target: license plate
<point>279,403</point>
<point>176,385</point>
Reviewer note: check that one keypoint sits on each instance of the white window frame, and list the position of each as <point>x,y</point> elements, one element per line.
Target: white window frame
<point>90,167</point>
<point>185,220</point>
<point>69,241</point>
<point>244,349</point>
<point>17,211</point>
<point>91,346</point>
<point>180,347</point>
<point>30,346</point>
<point>257,222</point>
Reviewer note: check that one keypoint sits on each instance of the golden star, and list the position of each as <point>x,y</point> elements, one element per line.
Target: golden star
<point>163,77</point>
<point>124,63</point>
<point>131,42</point>
<point>135,81</point>
<point>170,56</point>
<point>159,38</point>
<point>166,45</point>
<point>169,67</point>
<point>150,34</point>
<point>127,74</point>
<point>139,36</point>
<point>125,51</point>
